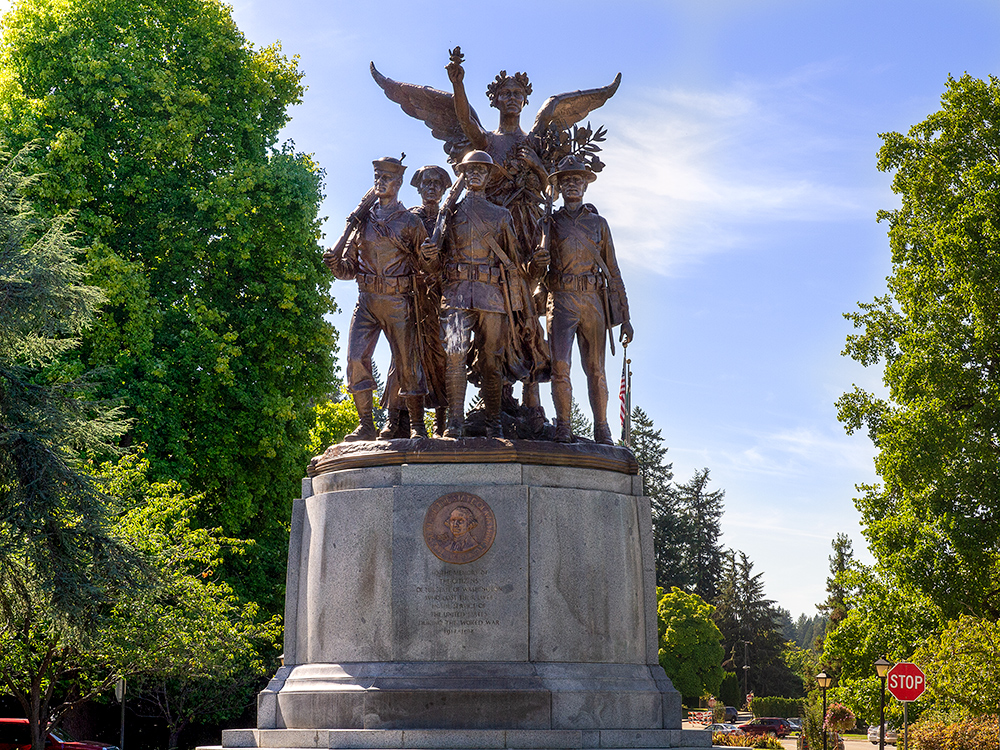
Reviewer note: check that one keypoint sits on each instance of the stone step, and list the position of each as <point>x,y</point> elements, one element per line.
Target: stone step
<point>458,739</point>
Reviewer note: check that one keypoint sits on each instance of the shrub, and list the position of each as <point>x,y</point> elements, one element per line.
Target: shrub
<point>772,706</point>
<point>745,740</point>
<point>972,734</point>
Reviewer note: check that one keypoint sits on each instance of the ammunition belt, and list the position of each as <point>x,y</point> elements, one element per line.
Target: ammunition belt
<point>373,284</point>
<point>570,282</point>
<point>484,272</point>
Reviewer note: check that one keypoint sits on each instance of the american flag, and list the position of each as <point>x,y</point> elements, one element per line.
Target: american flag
<point>626,397</point>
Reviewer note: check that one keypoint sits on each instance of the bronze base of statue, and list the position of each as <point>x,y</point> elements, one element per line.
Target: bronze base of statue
<point>582,454</point>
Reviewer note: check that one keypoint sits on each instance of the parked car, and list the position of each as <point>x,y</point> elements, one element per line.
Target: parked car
<point>795,723</point>
<point>767,725</point>
<point>730,714</point>
<point>724,729</point>
<point>890,735</point>
<point>15,734</point>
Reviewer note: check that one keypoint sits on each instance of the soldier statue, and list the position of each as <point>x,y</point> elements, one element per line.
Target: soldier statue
<point>521,175</point>
<point>383,256</point>
<point>586,297</point>
<point>431,182</point>
<point>482,289</point>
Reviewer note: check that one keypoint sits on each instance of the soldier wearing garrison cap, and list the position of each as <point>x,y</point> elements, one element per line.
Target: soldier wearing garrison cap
<point>383,257</point>
<point>431,182</point>
<point>586,297</point>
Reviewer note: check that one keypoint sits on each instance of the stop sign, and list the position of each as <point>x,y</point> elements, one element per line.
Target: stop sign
<point>905,681</point>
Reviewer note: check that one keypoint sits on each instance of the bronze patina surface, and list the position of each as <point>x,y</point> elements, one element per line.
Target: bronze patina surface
<point>459,528</point>
<point>581,454</point>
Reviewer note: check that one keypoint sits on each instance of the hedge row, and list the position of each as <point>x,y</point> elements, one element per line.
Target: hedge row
<point>782,707</point>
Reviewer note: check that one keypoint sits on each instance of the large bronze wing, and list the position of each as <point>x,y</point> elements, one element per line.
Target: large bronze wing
<point>435,108</point>
<point>564,110</point>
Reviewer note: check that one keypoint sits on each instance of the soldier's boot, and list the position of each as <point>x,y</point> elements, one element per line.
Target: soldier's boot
<point>492,398</point>
<point>455,382</point>
<point>391,426</point>
<point>562,397</point>
<point>403,431</point>
<point>366,428</point>
<point>415,406</point>
<point>599,404</point>
<point>440,421</point>
<point>532,398</point>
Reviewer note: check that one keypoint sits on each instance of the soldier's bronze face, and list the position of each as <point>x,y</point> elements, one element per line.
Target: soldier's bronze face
<point>476,175</point>
<point>387,183</point>
<point>431,187</point>
<point>510,98</point>
<point>572,186</point>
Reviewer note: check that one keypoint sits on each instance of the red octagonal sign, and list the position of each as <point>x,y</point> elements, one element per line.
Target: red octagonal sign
<point>905,681</point>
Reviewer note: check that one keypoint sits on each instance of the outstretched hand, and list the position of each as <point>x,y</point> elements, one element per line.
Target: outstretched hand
<point>456,73</point>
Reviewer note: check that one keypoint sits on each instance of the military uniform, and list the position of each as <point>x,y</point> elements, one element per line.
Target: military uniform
<point>474,304</point>
<point>581,297</point>
<point>383,260</point>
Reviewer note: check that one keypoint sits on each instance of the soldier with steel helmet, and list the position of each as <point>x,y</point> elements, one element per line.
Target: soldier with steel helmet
<point>586,297</point>
<point>481,288</point>
<point>383,257</point>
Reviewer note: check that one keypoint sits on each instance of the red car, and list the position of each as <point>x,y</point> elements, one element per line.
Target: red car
<point>772,726</point>
<point>15,734</point>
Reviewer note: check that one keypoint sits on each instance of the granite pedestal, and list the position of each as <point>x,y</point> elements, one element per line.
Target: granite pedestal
<point>536,629</point>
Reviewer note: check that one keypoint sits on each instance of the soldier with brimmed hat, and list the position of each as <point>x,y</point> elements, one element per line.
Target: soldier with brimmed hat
<point>586,297</point>
<point>482,289</point>
<point>383,257</point>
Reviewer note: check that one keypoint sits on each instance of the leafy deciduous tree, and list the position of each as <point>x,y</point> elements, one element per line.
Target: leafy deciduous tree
<point>932,521</point>
<point>158,122</point>
<point>690,643</point>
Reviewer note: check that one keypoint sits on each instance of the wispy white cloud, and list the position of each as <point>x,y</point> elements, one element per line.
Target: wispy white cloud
<point>698,172</point>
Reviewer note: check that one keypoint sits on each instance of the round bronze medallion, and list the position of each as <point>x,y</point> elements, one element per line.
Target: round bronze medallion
<point>459,528</point>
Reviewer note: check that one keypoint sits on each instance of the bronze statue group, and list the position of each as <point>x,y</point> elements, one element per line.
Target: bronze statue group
<point>458,284</point>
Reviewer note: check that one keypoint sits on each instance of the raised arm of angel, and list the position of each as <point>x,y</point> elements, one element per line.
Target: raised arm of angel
<point>470,126</point>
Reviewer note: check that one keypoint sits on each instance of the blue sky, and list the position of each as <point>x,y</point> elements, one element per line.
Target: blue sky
<point>740,186</point>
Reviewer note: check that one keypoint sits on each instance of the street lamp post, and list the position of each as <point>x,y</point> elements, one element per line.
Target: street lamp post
<point>824,681</point>
<point>882,667</point>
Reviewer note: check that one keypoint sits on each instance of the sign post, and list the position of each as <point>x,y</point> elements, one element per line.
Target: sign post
<point>906,682</point>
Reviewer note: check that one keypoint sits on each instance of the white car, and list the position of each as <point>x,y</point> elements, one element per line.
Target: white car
<point>890,735</point>
<point>724,729</point>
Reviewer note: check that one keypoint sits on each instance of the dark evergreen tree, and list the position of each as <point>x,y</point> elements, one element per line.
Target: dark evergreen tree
<point>56,548</point>
<point>670,530</point>
<point>837,587</point>
<point>703,554</point>
<point>750,625</point>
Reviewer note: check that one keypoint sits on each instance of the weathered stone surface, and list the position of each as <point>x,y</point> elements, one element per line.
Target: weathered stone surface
<point>239,738</point>
<point>463,474</point>
<point>544,640</point>
<point>587,588</point>
<point>648,579</point>
<point>345,598</point>
<point>572,477</point>
<point>352,479</point>
<point>472,612</point>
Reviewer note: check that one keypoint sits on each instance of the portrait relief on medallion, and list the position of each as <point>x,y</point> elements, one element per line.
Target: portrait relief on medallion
<point>459,528</point>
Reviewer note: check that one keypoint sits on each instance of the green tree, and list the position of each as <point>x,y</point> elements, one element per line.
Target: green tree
<point>690,644</point>
<point>578,421</point>
<point>837,588</point>
<point>702,553</point>
<point>158,122</point>
<point>932,520</point>
<point>193,651</point>
<point>749,623</point>
<point>333,420</point>
<point>962,664</point>
<point>669,524</point>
